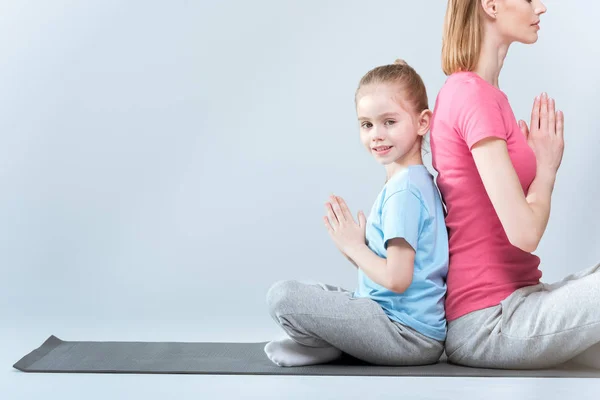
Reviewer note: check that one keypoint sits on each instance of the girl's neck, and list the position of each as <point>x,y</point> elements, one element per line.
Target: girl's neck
<point>400,165</point>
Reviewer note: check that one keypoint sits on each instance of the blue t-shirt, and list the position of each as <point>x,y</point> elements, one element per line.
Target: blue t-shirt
<point>409,207</point>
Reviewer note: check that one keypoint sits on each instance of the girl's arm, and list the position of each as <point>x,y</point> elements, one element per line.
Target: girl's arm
<point>524,218</point>
<point>395,273</point>
<point>351,260</point>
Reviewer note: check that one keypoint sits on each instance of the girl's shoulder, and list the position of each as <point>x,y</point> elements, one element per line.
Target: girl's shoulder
<point>416,180</point>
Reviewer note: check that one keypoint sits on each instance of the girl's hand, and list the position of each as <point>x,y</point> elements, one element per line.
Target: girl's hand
<point>340,224</point>
<point>546,135</point>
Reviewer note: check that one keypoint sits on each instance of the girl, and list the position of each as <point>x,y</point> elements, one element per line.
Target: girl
<point>496,177</point>
<point>396,315</point>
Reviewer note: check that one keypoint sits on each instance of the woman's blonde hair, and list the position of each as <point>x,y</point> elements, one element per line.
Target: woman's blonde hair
<point>461,42</point>
<point>405,76</point>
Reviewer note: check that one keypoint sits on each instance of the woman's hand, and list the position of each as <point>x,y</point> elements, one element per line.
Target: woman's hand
<point>545,135</point>
<point>340,224</point>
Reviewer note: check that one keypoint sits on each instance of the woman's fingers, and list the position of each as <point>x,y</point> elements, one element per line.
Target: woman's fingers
<point>560,124</point>
<point>551,117</point>
<point>544,114</point>
<point>546,139</point>
<point>524,129</point>
<point>534,126</point>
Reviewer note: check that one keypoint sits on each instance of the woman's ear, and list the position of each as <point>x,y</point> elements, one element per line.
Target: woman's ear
<point>424,122</point>
<point>489,8</point>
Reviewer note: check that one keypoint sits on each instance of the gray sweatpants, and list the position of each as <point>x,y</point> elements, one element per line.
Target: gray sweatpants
<point>536,326</point>
<point>320,315</point>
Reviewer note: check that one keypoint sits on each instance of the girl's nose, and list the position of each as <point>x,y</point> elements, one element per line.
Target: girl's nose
<point>376,135</point>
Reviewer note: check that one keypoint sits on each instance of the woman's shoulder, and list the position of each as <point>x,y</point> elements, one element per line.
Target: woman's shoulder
<point>466,84</point>
<point>463,94</point>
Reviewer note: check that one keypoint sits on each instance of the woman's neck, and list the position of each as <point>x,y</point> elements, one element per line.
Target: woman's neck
<point>491,59</point>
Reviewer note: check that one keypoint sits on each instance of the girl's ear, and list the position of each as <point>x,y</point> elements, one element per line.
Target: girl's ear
<point>424,122</point>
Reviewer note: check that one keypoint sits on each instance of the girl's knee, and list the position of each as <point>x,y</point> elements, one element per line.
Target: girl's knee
<point>435,354</point>
<point>281,295</point>
<point>431,354</point>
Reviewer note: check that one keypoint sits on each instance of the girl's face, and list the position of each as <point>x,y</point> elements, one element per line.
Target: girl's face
<point>518,20</point>
<point>387,130</point>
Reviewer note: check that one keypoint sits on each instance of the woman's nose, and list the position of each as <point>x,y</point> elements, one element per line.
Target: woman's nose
<point>540,9</point>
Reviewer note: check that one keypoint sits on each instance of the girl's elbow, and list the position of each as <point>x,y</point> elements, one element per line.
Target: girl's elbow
<point>400,286</point>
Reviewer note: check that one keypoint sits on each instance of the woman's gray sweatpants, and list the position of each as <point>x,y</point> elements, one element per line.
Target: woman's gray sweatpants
<point>320,315</point>
<point>536,326</point>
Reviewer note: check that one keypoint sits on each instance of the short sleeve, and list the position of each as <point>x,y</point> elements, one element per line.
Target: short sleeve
<point>401,217</point>
<point>479,114</point>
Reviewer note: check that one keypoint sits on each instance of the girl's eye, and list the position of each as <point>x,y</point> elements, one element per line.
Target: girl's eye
<point>390,122</point>
<point>366,125</point>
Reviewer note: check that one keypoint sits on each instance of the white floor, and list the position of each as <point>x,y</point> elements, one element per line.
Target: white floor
<point>19,337</point>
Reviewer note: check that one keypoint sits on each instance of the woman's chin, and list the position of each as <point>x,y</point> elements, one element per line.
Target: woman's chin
<point>531,39</point>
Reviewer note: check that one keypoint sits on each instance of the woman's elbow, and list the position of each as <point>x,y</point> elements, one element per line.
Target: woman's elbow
<point>524,241</point>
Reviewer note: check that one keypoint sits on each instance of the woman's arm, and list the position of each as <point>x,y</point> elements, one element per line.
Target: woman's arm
<point>524,218</point>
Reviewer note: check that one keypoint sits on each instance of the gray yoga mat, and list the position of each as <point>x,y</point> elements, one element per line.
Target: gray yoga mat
<point>55,355</point>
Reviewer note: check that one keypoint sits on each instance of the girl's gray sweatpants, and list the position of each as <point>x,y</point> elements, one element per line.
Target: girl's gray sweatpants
<point>321,315</point>
<point>536,326</point>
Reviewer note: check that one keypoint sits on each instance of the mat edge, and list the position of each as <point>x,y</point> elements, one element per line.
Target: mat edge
<point>34,356</point>
<point>321,374</point>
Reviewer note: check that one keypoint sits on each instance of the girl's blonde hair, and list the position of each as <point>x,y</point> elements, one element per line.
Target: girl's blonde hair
<point>461,41</point>
<point>405,76</point>
<point>408,80</point>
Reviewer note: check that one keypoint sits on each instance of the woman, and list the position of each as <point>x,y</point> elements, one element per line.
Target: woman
<point>496,176</point>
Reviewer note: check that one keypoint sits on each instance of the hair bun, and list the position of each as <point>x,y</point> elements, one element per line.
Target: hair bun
<point>400,61</point>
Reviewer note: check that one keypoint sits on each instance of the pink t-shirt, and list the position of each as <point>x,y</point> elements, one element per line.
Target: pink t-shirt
<point>484,268</point>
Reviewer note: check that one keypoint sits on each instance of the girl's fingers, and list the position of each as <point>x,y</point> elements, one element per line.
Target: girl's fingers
<point>345,210</point>
<point>362,220</point>
<point>551,117</point>
<point>337,210</point>
<point>332,218</point>
<point>327,224</point>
